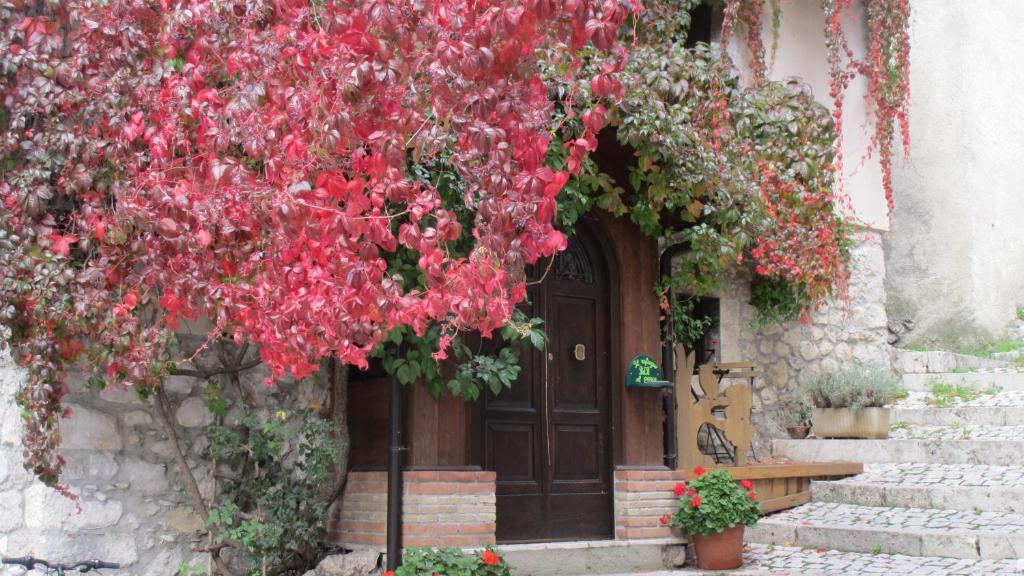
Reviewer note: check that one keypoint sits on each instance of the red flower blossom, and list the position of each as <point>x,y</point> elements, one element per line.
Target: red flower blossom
<point>680,489</point>
<point>747,484</point>
<point>699,470</point>
<point>490,558</point>
<point>691,492</point>
<point>752,496</point>
<point>666,519</point>
<point>695,502</point>
<point>389,573</point>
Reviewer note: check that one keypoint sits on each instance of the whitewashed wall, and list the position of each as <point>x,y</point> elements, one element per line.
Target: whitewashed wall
<point>955,258</point>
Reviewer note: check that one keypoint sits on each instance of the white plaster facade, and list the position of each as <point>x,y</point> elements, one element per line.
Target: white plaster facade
<point>955,258</point>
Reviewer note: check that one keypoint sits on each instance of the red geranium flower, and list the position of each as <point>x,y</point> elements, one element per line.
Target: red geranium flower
<point>666,519</point>
<point>691,492</point>
<point>747,484</point>
<point>490,558</point>
<point>695,502</point>
<point>389,573</point>
<point>699,470</point>
<point>680,489</point>
<point>751,495</point>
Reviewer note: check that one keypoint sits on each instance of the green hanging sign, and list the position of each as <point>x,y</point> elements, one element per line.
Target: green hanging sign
<point>644,372</point>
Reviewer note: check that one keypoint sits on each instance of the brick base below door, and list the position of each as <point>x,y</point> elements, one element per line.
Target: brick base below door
<point>642,497</point>
<point>457,507</point>
<point>439,508</point>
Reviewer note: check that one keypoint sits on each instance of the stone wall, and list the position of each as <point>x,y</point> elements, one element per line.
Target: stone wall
<point>439,508</point>
<point>134,509</point>
<point>842,332</point>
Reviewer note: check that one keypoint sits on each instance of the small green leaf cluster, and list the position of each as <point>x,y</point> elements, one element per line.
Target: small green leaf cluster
<point>713,502</point>
<point>270,502</point>
<point>687,327</point>
<point>493,365</point>
<point>451,562</point>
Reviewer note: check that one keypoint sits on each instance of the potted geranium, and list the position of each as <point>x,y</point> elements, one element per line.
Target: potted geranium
<point>852,402</point>
<point>712,511</point>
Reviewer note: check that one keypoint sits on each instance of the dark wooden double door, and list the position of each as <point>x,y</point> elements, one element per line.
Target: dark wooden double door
<point>549,438</point>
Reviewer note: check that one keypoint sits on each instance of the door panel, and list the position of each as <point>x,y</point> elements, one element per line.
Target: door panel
<point>577,385</point>
<point>549,437</point>
<point>576,453</point>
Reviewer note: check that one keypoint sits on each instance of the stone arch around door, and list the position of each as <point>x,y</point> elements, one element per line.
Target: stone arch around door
<point>553,439</point>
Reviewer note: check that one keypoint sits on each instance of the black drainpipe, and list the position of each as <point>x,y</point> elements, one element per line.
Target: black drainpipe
<point>394,548</point>
<point>668,365</point>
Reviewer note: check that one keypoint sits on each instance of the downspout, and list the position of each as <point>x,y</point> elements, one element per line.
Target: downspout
<point>395,447</point>
<point>668,365</point>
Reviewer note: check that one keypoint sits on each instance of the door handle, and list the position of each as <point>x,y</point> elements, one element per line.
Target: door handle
<point>580,352</point>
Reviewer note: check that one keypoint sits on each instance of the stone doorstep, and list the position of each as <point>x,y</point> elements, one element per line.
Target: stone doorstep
<point>954,415</point>
<point>584,558</point>
<point>941,496</point>
<point>968,544</point>
<point>580,558</point>
<point>988,452</point>
<point>1004,380</point>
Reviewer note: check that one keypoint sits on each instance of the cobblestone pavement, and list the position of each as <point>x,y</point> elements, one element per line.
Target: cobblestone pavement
<point>916,474</point>
<point>850,515</point>
<point>788,561</point>
<point>964,432</point>
<point>987,398</point>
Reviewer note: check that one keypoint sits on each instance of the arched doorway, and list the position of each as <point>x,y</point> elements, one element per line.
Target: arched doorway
<point>550,438</point>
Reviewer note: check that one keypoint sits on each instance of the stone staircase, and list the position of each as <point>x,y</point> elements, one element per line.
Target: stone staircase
<point>943,495</point>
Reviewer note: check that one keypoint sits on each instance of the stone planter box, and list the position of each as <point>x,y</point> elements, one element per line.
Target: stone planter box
<point>847,423</point>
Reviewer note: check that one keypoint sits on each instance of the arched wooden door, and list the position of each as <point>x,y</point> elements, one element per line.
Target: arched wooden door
<point>550,438</point>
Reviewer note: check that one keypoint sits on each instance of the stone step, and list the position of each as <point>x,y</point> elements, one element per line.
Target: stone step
<point>939,361</point>
<point>981,380</point>
<point>964,487</point>
<point>907,531</point>
<point>987,432</point>
<point>927,451</point>
<point>958,415</point>
<point>985,408</point>
<point>593,557</point>
<point>759,559</point>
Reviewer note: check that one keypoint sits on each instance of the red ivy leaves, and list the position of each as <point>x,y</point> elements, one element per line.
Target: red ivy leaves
<point>261,177</point>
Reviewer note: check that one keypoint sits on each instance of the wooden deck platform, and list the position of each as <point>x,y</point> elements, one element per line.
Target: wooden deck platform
<point>785,485</point>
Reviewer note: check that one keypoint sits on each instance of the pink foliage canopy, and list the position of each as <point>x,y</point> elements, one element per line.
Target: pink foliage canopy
<point>247,162</point>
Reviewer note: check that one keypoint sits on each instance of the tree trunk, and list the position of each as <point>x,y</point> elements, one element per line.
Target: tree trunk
<point>337,412</point>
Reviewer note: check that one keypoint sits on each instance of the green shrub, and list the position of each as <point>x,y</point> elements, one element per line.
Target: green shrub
<point>714,502</point>
<point>450,562</point>
<point>270,505</point>
<point>854,387</point>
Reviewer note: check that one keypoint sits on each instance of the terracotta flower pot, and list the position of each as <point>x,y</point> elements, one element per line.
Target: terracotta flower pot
<point>722,551</point>
<point>797,432</point>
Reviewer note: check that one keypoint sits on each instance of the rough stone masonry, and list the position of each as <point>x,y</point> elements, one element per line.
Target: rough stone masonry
<point>134,509</point>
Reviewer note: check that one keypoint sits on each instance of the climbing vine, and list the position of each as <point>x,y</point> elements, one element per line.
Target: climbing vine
<point>886,66</point>
<point>744,174</point>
